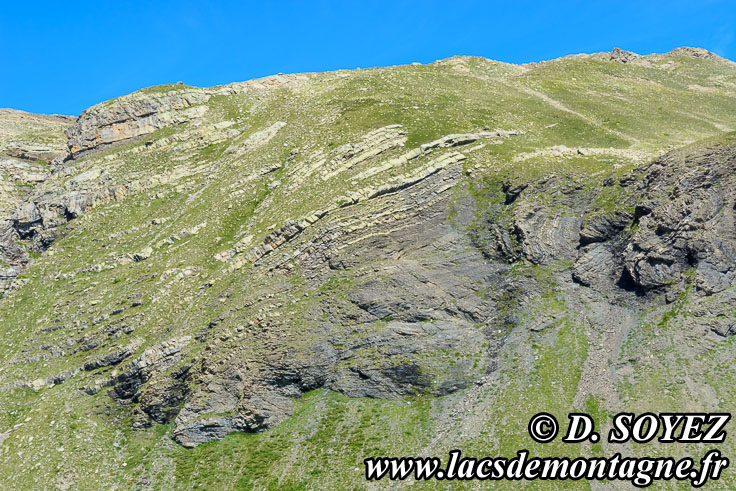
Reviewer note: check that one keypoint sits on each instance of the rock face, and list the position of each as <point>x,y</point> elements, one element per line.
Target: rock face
<point>686,223</point>
<point>682,226</point>
<point>28,144</point>
<point>146,111</point>
<point>132,116</point>
<point>681,232</point>
<point>428,305</point>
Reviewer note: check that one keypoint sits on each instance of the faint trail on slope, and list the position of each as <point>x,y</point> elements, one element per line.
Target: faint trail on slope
<point>563,151</point>
<point>557,104</point>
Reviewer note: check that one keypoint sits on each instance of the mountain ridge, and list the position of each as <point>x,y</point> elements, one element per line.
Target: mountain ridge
<point>692,51</point>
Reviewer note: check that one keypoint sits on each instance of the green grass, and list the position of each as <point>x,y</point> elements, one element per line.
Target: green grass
<point>196,180</point>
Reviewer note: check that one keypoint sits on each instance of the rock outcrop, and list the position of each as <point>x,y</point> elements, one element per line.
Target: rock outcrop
<point>422,307</point>
<point>681,227</point>
<point>686,223</point>
<point>622,56</point>
<point>28,144</point>
<point>680,232</point>
<point>133,116</point>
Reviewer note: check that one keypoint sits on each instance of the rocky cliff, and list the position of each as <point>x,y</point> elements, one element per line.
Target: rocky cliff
<point>308,270</point>
<point>29,143</point>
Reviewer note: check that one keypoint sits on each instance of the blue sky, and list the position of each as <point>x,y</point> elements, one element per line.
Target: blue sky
<point>61,57</point>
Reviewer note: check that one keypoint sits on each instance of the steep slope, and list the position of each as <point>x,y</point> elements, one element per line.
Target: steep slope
<point>28,144</point>
<point>431,254</point>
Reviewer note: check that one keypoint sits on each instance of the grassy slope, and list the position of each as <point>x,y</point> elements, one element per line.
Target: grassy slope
<point>588,103</point>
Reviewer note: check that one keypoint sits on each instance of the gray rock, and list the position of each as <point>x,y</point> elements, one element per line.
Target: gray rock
<point>622,56</point>
<point>143,255</point>
<point>603,227</point>
<point>131,116</point>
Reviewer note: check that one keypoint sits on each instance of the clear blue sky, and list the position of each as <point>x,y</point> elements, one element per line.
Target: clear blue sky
<point>61,57</point>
